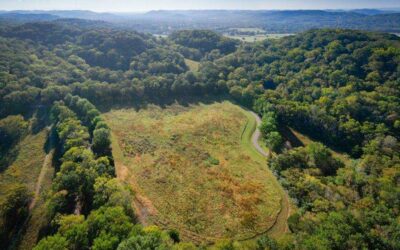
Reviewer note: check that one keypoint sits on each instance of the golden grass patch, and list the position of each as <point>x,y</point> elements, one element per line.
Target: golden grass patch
<point>191,163</point>
<point>193,65</point>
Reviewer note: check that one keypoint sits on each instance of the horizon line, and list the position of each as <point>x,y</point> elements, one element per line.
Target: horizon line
<point>199,9</point>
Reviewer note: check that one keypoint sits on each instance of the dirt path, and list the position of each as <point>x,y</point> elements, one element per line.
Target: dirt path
<point>43,170</point>
<point>256,135</point>
<point>45,167</point>
<point>142,205</point>
<point>280,225</point>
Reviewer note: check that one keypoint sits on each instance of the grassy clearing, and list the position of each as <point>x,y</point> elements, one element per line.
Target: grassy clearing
<point>259,30</point>
<point>194,170</point>
<point>38,217</point>
<point>28,163</point>
<point>257,37</point>
<point>193,65</point>
<point>305,140</point>
<point>249,39</point>
<point>25,170</point>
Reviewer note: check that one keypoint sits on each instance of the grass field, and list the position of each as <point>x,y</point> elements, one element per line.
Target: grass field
<point>26,170</point>
<point>38,216</point>
<point>305,140</point>
<point>193,65</point>
<point>28,163</point>
<point>259,30</point>
<point>193,169</point>
<point>257,37</point>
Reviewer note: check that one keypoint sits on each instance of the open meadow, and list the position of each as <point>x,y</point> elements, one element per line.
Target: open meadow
<point>193,168</point>
<point>257,37</point>
<point>27,165</point>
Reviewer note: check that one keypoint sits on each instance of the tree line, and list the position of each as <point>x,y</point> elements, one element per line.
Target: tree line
<point>88,207</point>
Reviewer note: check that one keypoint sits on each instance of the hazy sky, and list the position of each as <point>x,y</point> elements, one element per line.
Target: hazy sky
<point>144,5</point>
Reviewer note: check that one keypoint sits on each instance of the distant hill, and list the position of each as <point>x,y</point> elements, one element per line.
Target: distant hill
<point>28,17</point>
<point>285,21</point>
<point>374,11</point>
<point>41,14</point>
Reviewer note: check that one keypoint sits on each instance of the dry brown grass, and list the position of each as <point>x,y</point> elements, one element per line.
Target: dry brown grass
<point>191,165</point>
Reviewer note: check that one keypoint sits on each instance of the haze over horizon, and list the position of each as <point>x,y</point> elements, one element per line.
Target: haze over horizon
<point>147,5</point>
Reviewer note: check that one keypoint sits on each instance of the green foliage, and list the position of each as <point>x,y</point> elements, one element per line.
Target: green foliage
<point>337,231</point>
<point>104,167</point>
<point>12,130</point>
<point>264,242</point>
<point>77,175</point>
<point>269,130</point>
<point>74,229</point>
<point>320,157</point>
<point>147,241</point>
<point>327,225</point>
<point>301,168</point>
<point>111,192</point>
<point>79,168</point>
<point>69,129</point>
<point>274,140</point>
<point>102,141</point>
<point>159,61</point>
<point>53,93</point>
<point>13,211</point>
<point>184,246</point>
<point>268,124</point>
<point>104,229</point>
<point>55,242</point>
<point>333,97</point>
<point>212,161</point>
<point>204,40</point>
<point>223,245</point>
<point>108,224</point>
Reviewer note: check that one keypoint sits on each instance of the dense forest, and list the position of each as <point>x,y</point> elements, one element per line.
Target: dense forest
<point>340,87</point>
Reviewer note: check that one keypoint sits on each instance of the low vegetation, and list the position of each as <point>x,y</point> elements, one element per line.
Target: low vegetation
<point>17,184</point>
<point>193,65</point>
<point>213,185</point>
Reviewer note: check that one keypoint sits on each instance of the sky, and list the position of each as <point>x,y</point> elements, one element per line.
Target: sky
<point>146,5</point>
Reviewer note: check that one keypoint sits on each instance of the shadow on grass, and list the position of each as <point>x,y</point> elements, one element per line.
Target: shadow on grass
<point>289,136</point>
<point>163,103</point>
<point>7,157</point>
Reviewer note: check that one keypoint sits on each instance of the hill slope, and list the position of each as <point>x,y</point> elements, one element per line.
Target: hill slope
<point>213,185</point>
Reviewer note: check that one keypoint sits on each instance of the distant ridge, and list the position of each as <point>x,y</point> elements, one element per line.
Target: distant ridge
<point>272,21</point>
<point>27,17</point>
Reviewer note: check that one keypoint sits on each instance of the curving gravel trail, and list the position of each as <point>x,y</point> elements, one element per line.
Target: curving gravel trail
<point>256,135</point>
<point>280,226</point>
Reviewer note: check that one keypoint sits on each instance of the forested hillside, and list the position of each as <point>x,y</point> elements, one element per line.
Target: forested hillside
<point>339,87</point>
